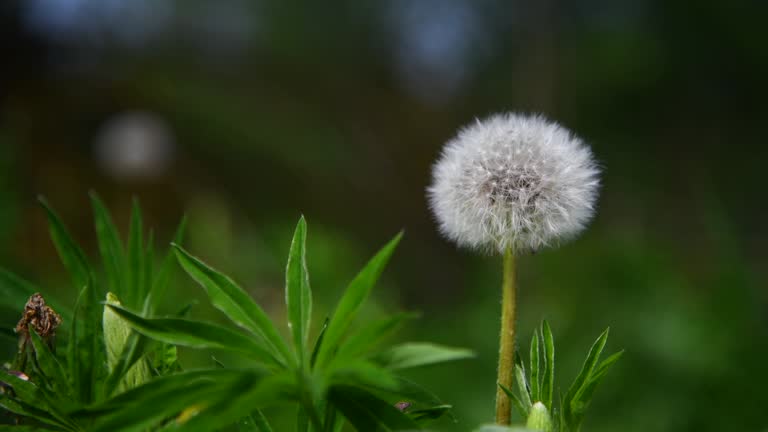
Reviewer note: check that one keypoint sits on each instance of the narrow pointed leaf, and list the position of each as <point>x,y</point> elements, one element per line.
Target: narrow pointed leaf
<point>535,376</point>
<point>521,409</point>
<point>136,264</point>
<point>366,412</point>
<point>164,275</point>
<point>70,253</point>
<point>298,294</point>
<point>255,422</point>
<point>413,354</point>
<point>571,402</point>
<point>110,245</point>
<point>548,380</point>
<point>371,334</point>
<point>229,298</point>
<point>522,384</point>
<point>356,293</point>
<point>196,334</point>
<point>50,366</point>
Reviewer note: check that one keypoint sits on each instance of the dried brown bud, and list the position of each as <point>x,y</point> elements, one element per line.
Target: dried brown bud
<point>403,406</point>
<point>40,317</point>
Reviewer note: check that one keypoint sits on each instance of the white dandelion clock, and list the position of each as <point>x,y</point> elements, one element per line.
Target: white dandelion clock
<point>514,181</point>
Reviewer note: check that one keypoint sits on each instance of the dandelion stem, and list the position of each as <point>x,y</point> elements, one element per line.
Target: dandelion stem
<point>506,339</point>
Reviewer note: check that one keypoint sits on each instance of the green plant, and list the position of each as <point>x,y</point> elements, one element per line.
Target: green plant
<point>535,397</point>
<point>114,378</point>
<point>342,375</point>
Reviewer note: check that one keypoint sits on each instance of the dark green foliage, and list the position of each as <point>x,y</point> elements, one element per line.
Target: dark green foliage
<point>343,375</point>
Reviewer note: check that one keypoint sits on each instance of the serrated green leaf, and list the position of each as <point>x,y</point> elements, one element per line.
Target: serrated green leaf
<point>362,341</point>
<point>366,412</point>
<point>110,245</point>
<point>239,307</point>
<point>298,294</point>
<point>356,293</point>
<point>548,380</point>
<point>535,376</point>
<point>413,354</point>
<point>196,334</point>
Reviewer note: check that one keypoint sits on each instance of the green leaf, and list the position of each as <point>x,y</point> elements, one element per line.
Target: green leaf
<point>50,366</point>
<point>110,245</point>
<point>318,343</point>
<point>298,294</point>
<point>364,374</point>
<point>548,380</point>
<point>165,273</point>
<point>366,412</point>
<point>535,377</point>
<point>412,354</point>
<point>136,259</point>
<point>497,428</point>
<point>147,405</point>
<point>370,335</point>
<point>572,408</point>
<point>585,397</point>
<point>426,415</point>
<point>85,355</point>
<point>522,384</point>
<point>70,253</point>
<point>521,409</point>
<point>255,422</point>
<point>239,307</point>
<point>356,293</point>
<point>196,334</point>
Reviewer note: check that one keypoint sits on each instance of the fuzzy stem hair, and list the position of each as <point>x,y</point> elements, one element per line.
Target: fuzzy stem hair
<point>506,339</point>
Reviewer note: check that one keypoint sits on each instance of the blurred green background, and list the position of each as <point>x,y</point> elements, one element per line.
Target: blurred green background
<point>245,114</point>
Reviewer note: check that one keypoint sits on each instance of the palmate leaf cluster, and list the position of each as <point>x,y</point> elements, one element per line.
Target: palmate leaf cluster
<point>341,375</point>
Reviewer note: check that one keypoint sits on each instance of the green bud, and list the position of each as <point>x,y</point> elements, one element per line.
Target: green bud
<point>116,333</point>
<point>539,419</point>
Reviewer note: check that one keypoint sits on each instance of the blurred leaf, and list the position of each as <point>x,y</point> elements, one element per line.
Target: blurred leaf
<point>147,405</point>
<point>318,343</point>
<point>298,294</point>
<point>412,354</point>
<point>548,380</point>
<point>196,334</point>
<point>70,253</point>
<point>371,334</point>
<point>497,428</point>
<point>136,259</point>
<point>165,273</point>
<point>50,366</point>
<point>535,377</point>
<point>256,422</point>
<point>110,245</point>
<point>239,307</point>
<point>426,415</point>
<point>356,293</point>
<point>366,412</point>
<point>364,374</point>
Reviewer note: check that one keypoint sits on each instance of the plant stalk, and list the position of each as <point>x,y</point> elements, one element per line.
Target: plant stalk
<point>506,339</point>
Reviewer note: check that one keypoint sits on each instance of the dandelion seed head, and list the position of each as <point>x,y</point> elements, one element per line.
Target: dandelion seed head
<point>515,181</point>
